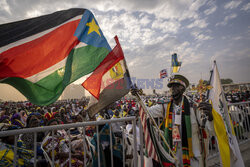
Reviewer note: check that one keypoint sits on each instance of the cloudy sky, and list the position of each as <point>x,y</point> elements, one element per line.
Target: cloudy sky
<point>199,31</point>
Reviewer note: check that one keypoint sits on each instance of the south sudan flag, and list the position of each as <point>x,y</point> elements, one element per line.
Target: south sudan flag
<point>42,55</point>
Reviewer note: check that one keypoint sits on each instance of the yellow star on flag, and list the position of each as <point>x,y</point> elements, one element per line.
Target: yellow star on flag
<point>93,27</point>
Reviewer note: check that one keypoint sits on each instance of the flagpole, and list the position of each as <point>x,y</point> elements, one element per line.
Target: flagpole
<point>171,65</point>
<point>152,119</point>
<point>145,109</point>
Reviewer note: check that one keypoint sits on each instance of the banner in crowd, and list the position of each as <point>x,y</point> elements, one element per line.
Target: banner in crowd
<point>175,64</point>
<point>228,146</point>
<point>109,82</point>
<point>42,55</point>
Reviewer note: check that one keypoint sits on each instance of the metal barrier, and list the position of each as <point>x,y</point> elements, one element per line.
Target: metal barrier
<point>240,116</point>
<point>83,125</point>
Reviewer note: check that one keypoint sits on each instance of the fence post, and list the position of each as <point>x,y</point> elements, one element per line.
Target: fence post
<point>35,148</point>
<point>111,145</point>
<point>15,151</point>
<point>98,146</point>
<point>141,144</point>
<point>135,143</point>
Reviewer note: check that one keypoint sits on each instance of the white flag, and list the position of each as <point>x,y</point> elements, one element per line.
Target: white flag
<point>228,146</point>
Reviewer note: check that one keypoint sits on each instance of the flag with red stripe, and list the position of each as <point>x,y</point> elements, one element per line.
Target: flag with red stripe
<point>148,141</point>
<point>163,73</point>
<point>109,82</point>
<point>42,55</point>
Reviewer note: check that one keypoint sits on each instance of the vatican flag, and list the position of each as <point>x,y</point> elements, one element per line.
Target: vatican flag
<point>228,146</point>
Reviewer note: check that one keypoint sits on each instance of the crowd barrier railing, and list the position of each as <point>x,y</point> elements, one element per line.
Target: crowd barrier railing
<point>240,117</point>
<point>83,125</point>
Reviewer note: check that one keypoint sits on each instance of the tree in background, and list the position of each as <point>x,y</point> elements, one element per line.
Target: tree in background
<point>226,81</point>
<point>223,81</point>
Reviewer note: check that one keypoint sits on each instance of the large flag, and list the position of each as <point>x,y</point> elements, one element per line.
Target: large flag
<point>163,73</point>
<point>175,64</point>
<point>228,146</point>
<point>42,55</point>
<point>109,82</point>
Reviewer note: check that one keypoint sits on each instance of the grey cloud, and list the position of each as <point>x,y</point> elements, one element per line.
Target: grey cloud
<point>226,19</point>
<point>232,4</point>
<point>246,7</point>
<point>212,8</point>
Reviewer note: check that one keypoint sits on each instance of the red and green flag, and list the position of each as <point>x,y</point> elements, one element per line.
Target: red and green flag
<point>109,82</point>
<point>42,55</point>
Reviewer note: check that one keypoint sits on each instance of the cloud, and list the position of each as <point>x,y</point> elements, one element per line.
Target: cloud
<point>246,7</point>
<point>232,16</point>
<point>220,54</point>
<point>212,8</point>
<point>5,11</point>
<point>145,20</point>
<point>226,19</point>
<point>33,13</point>
<point>232,4</point>
<point>198,35</point>
<point>237,38</point>
<point>5,6</point>
<point>200,23</point>
<point>166,26</point>
<point>171,9</point>
<point>179,10</point>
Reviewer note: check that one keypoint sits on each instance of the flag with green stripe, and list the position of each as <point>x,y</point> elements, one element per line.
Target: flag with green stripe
<point>42,55</point>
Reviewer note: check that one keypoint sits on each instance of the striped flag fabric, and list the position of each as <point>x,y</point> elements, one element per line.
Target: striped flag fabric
<point>148,141</point>
<point>163,73</point>
<point>41,56</point>
<point>227,143</point>
<point>175,64</point>
<point>109,82</point>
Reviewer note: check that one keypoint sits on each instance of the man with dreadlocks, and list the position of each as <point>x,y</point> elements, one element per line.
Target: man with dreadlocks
<point>183,125</point>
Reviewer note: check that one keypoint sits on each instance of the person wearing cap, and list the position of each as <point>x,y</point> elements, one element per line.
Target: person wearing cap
<point>181,125</point>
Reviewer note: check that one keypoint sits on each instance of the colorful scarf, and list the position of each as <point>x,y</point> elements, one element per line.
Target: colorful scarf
<point>24,156</point>
<point>16,120</point>
<point>186,137</point>
<point>60,144</point>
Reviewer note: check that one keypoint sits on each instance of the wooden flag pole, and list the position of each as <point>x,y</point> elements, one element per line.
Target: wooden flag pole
<point>152,119</point>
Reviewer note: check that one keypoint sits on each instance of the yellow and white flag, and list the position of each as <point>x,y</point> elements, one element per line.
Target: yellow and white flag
<point>228,146</point>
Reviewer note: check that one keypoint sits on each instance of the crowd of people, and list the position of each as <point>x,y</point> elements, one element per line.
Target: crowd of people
<point>20,115</point>
<point>235,97</point>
